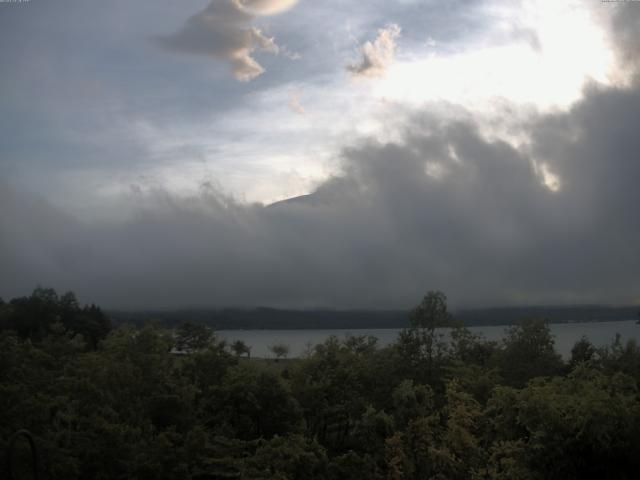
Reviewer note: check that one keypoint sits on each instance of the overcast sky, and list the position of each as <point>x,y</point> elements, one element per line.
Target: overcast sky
<point>488,148</point>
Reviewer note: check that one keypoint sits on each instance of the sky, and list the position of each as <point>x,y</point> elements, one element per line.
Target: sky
<point>336,154</point>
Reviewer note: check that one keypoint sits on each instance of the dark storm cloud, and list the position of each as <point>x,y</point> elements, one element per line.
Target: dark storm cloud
<point>483,227</point>
<point>625,28</point>
<point>36,239</point>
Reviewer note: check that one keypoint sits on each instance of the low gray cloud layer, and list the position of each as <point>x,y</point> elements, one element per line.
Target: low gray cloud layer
<point>442,207</point>
<point>625,28</point>
<point>486,229</point>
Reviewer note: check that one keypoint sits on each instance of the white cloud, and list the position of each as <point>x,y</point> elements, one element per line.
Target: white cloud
<point>223,30</point>
<point>295,105</point>
<point>265,7</point>
<point>379,54</point>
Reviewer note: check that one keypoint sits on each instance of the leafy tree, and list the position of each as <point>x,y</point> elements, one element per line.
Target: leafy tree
<point>357,466</point>
<point>335,387</point>
<point>463,426</point>
<point>240,348</point>
<point>585,425</point>
<point>62,343</point>
<point>421,347</point>
<point>582,351</point>
<point>371,431</point>
<point>32,317</point>
<point>506,462</point>
<point>620,357</point>
<point>360,344</point>
<point>292,457</point>
<point>280,350</point>
<point>191,337</point>
<point>411,401</point>
<point>47,296</point>
<point>206,369</point>
<point>431,312</point>
<point>416,452</point>
<point>251,403</point>
<point>398,464</point>
<point>528,352</point>
<point>471,349</point>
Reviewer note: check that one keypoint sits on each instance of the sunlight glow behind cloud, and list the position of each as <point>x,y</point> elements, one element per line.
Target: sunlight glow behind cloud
<point>265,7</point>
<point>530,57</point>
<point>572,48</point>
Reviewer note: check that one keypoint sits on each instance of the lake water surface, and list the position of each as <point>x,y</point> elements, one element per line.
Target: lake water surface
<point>565,335</point>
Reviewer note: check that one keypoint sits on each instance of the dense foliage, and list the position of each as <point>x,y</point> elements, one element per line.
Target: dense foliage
<point>149,403</point>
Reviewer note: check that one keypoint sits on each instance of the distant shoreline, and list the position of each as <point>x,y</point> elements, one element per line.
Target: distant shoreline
<point>281,319</point>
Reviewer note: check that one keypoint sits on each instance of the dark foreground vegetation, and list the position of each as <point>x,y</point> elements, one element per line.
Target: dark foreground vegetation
<point>107,403</point>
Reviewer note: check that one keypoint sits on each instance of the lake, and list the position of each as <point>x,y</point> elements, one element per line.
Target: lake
<point>565,335</point>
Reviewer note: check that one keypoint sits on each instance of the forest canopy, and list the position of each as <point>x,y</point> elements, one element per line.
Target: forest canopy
<point>105,402</point>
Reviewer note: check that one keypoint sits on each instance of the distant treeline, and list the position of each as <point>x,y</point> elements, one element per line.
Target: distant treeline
<point>552,314</point>
<point>276,319</point>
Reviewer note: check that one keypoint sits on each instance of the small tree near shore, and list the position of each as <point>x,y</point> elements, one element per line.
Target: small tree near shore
<point>240,348</point>
<point>280,350</point>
